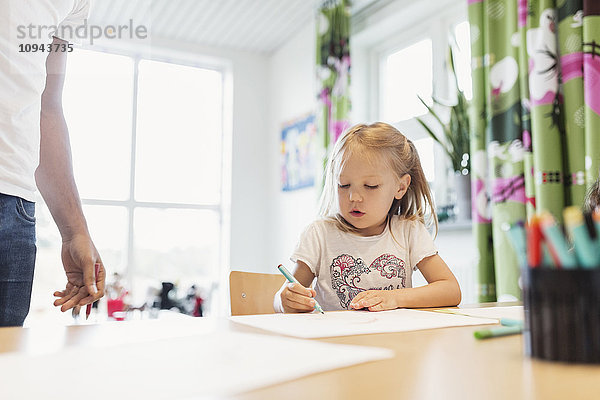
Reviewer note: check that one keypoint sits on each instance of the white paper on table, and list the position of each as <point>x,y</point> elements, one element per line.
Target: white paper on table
<point>51,339</point>
<point>345,323</point>
<point>512,312</point>
<point>200,366</point>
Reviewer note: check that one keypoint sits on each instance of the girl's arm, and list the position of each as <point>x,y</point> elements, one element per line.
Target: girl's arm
<point>293,297</point>
<point>442,290</point>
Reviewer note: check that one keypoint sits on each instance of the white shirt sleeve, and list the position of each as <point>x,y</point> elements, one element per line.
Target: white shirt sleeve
<point>76,18</point>
<point>420,243</point>
<point>308,249</point>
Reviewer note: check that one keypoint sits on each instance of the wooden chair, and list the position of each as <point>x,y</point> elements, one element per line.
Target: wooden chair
<point>252,293</point>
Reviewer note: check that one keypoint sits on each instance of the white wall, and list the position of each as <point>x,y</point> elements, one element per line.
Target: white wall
<point>292,89</point>
<point>249,204</point>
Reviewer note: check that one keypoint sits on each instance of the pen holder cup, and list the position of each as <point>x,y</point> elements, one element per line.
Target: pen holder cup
<point>562,314</point>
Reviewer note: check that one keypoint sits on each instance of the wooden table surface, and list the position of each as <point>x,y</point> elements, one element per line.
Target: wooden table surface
<point>443,363</point>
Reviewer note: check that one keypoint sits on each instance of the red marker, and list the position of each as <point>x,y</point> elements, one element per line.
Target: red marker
<point>534,242</point>
<point>88,308</point>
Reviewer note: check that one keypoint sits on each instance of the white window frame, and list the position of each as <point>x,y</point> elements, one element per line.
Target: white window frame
<point>217,294</point>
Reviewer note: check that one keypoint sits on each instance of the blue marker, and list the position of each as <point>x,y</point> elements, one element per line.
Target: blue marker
<point>585,248</point>
<point>596,219</point>
<point>292,279</point>
<point>509,327</point>
<point>547,259</point>
<point>516,237</point>
<point>510,322</point>
<point>557,242</point>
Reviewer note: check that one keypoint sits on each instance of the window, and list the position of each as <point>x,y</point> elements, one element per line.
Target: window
<point>148,161</point>
<point>408,73</point>
<point>462,62</point>
<point>411,63</point>
<point>178,153</point>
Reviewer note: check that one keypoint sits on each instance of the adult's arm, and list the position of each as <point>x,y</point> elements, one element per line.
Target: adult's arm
<point>54,178</point>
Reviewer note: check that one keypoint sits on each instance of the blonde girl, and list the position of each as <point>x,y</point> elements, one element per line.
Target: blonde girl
<point>371,234</point>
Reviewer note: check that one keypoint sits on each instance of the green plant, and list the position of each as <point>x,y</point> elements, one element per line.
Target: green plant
<point>456,130</point>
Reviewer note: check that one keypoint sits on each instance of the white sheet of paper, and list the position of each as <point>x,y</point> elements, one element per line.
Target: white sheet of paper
<point>200,366</point>
<point>345,323</point>
<point>51,339</point>
<point>512,312</point>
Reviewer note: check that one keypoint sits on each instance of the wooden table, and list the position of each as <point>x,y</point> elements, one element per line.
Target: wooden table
<point>433,364</point>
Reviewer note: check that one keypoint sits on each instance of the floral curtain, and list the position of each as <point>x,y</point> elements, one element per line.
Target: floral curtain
<point>333,71</point>
<point>535,119</point>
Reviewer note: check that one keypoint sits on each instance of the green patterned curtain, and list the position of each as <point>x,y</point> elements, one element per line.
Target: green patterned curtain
<point>333,71</point>
<point>591,84</point>
<point>535,120</point>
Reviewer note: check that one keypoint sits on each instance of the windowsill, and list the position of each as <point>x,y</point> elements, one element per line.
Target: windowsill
<point>450,226</point>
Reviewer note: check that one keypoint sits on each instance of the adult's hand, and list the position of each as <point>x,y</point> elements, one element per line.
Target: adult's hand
<point>84,286</point>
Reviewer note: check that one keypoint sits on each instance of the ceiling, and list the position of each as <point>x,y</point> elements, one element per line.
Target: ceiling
<point>259,26</point>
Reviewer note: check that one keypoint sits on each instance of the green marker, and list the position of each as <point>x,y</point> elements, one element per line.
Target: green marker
<point>499,331</point>
<point>293,279</point>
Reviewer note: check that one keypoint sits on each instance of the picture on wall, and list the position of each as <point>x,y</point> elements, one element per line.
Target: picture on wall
<point>298,151</point>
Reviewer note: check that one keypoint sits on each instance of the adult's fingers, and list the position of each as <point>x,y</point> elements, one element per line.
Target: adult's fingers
<point>66,295</point>
<point>100,281</point>
<point>73,301</point>
<point>89,277</point>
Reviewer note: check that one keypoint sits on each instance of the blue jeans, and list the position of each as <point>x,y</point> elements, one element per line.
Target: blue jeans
<point>17,258</point>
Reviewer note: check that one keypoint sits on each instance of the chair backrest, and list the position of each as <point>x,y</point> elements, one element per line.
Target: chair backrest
<point>252,293</point>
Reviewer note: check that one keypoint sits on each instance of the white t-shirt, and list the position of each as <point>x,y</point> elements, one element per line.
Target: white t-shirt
<point>346,264</point>
<point>22,81</point>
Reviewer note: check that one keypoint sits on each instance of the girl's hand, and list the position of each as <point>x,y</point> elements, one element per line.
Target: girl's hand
<point>296,298</point>
<point>375,300</point>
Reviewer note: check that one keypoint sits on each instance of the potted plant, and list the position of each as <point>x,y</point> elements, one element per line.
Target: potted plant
<point>455,141</point>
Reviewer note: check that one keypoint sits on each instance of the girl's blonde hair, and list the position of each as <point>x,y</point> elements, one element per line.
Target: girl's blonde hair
<point>592,197</point>
<point>379,141</point>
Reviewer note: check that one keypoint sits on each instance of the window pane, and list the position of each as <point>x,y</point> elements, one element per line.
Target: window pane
<point>49,272</point>
<point>462,62</point>
<point>174,245</point>
<point>108,227</point>
<point>178,157</point>
<point>406,74</point>
<point>98,106</point>
<point>425,150</point>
